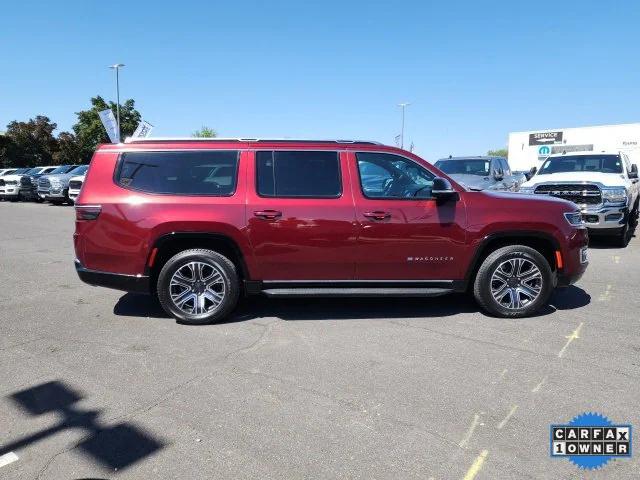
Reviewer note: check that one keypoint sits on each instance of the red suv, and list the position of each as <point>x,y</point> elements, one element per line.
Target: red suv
<point>199,222</point>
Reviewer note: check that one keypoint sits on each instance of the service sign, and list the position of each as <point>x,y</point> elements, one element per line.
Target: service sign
<point>545,138</point>
<point>110,125</point>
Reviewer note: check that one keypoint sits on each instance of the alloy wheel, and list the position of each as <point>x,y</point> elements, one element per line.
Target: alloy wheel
<point>516,283</point>
<point>197,288</point>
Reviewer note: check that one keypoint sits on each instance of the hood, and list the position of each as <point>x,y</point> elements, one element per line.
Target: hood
<point>63,177</point>
<point>473,181</point>
<point>12,177</point>
<point>606,179</point>
<point>524,199</point>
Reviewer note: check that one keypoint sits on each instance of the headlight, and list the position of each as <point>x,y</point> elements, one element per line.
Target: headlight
<point>11,182</point>
<point>614,195</point>
<point>574,218</point>
<point>528,190</point>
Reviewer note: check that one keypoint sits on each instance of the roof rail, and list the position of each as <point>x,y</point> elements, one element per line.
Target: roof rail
<point>218,139</point>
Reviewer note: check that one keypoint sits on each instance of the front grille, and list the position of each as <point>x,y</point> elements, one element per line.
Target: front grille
<point>75,184</point>
<point>25,181</point>
<point>581,194</point>
<point>1,183</point>
<point>44,183</point>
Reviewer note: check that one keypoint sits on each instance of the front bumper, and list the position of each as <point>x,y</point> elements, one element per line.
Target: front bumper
<point>52,193</point>
<point>117,281</point>
<point>10,191</point>
<point>604,217</point>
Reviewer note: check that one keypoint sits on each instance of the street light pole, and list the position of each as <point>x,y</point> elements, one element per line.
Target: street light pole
<point>117,68</point>
<point>403,106</point>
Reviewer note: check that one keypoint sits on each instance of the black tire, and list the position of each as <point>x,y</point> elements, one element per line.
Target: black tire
<point>622,239</point>
<point>482,287</point>
<point>215,261</point>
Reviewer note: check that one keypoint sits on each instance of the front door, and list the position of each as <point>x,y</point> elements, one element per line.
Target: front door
<point>403,233</point>
<point>300,215</point>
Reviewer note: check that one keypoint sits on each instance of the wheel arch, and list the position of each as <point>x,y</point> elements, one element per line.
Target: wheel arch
<point>543,242</point>
<point>167,245</point>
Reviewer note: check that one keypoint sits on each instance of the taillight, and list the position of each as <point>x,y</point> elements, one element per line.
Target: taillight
<point>88,212</point>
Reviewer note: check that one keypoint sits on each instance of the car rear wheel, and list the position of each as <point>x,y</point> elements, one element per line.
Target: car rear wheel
<point>198,286</point>
<point>513,282</point>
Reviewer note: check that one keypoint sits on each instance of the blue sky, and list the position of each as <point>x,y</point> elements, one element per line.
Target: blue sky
<point>473,70</point>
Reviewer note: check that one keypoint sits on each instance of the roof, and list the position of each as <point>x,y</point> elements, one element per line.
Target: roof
<point>472,157</point>
<point>585,152</point>
<point>252,140</point>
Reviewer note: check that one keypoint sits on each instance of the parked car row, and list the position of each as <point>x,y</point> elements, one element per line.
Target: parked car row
<point>55,184</point>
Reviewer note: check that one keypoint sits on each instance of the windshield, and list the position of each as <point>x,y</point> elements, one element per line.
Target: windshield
<point>21,171</point>
<point>62,169</point>
<point>582,163</point>
<point>81,170</point>
<point>466,166</point>
<point>33,171</point>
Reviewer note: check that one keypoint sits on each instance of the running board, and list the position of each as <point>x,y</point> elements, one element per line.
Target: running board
<point>356,292</point>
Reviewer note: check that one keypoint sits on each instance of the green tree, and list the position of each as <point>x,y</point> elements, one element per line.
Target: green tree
<point>205,132</point>
<point>89,131</point>
<point>69,150</point>
<point>7,151</point>
<point>29,143</point>
<point>501,152</point>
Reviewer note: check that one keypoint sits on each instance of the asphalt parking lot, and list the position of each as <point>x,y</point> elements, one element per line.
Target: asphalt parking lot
<point>101,384</point>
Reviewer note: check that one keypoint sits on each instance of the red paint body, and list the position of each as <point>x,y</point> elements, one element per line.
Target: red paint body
<point>314,239</point>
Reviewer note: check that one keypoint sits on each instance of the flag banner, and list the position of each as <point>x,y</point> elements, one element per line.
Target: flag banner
<point>110,125</point>
<point>143,130</point>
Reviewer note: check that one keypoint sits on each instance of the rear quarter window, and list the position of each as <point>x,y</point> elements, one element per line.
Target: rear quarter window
<point>213,173</point>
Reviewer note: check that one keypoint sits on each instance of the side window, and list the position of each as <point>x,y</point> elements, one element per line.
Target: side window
<point>310,174</point>
<point>505,167</point>
<point>388,176</point>
<point>180,173</point>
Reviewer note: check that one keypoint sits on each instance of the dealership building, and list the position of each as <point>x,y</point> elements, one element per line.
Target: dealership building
<point>529,149</point>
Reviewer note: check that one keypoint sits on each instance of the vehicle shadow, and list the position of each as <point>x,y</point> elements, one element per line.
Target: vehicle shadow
<point>135,305</point>
<point>114,447</point>
<point>606,243</point>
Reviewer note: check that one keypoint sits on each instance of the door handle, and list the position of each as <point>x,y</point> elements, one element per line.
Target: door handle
<point>377,215</point>
<point>268,214</point>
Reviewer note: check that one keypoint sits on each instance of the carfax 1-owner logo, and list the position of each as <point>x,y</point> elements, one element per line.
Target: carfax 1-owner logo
<point>590,440</point>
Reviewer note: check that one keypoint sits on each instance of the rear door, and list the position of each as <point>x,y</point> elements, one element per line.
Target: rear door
<point>403,234</point>
<point>300,215</point>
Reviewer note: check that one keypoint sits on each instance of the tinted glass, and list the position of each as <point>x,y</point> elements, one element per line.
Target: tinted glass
<point>582,163</point>
<point>62,169</point>
<point>81,170</point>
<point>298,174</point>
<point>181,173</point>
<point>20,171</point>
<point>390,176</point>
<point>34,171</point>
<point>465,166</point>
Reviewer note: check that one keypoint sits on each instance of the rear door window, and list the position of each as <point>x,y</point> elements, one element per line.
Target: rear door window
<point>310,174</point>
<point>180,173</point>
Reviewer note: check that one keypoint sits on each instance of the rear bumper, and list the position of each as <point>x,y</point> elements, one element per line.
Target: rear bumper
<point>117,281</point>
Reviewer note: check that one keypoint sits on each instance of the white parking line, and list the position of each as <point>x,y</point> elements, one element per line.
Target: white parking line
<point>8,458</point>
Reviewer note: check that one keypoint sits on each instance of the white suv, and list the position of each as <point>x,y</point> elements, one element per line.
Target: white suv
<point>604,186</point>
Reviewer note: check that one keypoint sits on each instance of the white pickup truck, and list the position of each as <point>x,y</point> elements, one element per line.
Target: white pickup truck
<point>603,185</point>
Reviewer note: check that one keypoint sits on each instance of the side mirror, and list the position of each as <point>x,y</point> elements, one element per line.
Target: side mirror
<point>531,173</point>
<point>634,171</point>
<point>442,190</point>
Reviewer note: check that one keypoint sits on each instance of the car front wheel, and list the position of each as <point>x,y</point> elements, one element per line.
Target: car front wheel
<point>514,281</point>
<point>198,286</point>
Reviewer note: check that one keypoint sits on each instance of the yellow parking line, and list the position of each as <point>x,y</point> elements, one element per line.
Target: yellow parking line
<point>570,338</point>
<point>477,465</point>
<point>472,428</point>
<point>501,425</point>
<point>539,386</point>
